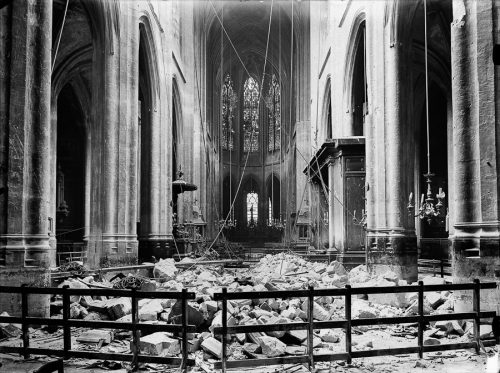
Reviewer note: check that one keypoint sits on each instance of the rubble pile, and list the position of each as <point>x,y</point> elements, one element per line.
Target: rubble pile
<point>273,272</point>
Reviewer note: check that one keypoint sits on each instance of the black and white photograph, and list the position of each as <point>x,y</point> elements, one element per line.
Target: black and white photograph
<point>249,186</point>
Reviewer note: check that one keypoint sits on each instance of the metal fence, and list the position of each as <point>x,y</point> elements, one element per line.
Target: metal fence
<point>134,326</point>
<point>310,325</point>
<point>349,322</point>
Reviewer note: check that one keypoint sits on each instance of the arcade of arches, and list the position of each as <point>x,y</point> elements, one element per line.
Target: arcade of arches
<point>133,129</point>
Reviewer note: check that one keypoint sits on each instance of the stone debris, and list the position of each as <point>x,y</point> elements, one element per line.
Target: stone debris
<point>212,346</point>
<point>272,346</point>
<point>96,335</point>
<point>273,272</point>
<point>160,344</point>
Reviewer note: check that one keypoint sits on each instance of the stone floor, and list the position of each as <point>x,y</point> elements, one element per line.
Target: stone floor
<point>447,362</point>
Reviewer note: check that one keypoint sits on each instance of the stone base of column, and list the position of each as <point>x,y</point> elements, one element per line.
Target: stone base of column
<point>38,304</point>
<point>395,252</point>
<point>475,256</point>
<point>112,250</point>
<point>161,247</point>
<point>23,250</point>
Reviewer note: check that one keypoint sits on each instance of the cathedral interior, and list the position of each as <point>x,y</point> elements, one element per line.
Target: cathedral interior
<point>360,130</point>
<point>139,129</point>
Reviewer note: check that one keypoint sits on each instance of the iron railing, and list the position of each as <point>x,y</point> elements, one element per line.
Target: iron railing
<point>349,322</point>
<point>135,326</point>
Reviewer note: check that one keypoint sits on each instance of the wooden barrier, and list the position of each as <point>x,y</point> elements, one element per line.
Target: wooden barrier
<point>135,326</point>
<point>347,292</point>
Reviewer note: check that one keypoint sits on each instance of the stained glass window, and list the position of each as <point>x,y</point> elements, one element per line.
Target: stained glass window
<point>252,209</point>
<point>273,102</point>
<point>251,115</point>
<point>228,105</point>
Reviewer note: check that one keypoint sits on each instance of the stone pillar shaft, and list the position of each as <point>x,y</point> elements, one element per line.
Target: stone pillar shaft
<point>331,204</point>
<point>27,239</point>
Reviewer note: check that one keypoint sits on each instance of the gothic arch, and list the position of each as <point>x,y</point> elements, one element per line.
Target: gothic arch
<point>326,112</point>
<point>355,37</point>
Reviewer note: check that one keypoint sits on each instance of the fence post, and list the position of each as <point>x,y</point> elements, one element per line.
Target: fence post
<point>24,325</point>
<point>135,335</point>
<point>66,317</point>
<point>310,331</point>
<point>348,335</point>
<point>420,319</point>
<point>184,331</point>
<point>224,329</point>
<point>476,304</point>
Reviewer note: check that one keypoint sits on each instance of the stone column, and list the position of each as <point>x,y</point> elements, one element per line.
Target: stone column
<point>391,244</point>
<point>27,241</point>
<point>111,240</point>
<point>24,241</point>
<point>475,240</point>
<point>331,203</point>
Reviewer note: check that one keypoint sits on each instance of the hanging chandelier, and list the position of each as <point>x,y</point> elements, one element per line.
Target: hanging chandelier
<point>429,209</point>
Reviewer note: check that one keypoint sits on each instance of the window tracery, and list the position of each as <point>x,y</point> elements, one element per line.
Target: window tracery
<point>273,103</point>
<point>250,115</point>
<point>228,106</point>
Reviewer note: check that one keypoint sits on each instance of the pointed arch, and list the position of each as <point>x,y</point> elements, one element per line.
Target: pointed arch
<point>326,119</point>
<point>355,84</point>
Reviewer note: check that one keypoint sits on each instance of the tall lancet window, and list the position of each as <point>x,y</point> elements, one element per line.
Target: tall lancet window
<point>273,103</point>
<point>250,115</point>
<point>228,105</point>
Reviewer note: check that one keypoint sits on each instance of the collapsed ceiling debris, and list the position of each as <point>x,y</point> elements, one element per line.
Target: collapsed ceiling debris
<point>273,272</point>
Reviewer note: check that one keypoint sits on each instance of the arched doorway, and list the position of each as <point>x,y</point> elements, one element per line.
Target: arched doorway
<point>70,175</point>
<point>144,144</point>
<point>359,97</point>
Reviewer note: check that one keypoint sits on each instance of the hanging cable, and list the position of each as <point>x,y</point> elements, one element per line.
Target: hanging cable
<point>258,105</point>
<point>59,35</point>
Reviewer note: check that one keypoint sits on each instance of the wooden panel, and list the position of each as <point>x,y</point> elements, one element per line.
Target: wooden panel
<point>354,194</point>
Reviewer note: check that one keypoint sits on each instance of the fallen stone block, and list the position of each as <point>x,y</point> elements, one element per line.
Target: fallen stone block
<point>485,331</point>
<point>449,326</point>
<point>97,306</point>
<point>165,268</point>
<point>295,350</point>
<point>252,349</point>
<point>431,341</point>
<point>96,316</point>
<point>9,330</point>
<point>194,345</point>
<point>431,280</point>
<point>297,336</point>
<point>319,312</point>
<point>390,299</point>
<point>96,335</point>
<point>212,346</point>
<point>118,307</point>
<point>195,317</point>
<point>289,313</point>
<point>362,310</point>
<point>74,284</point>
<point>435,299</point>
<point>328,335</point>
<point>159,344</point>
<point>271,346</point>
<point>336,268</point>
<point>150,310</point>
<point>316,342</point>
<point>240,337</point>
<point>413,308</point>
